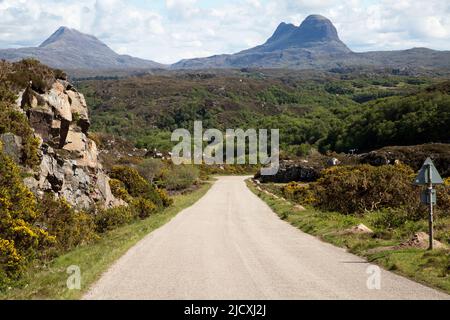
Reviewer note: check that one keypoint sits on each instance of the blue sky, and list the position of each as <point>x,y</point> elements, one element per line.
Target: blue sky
<point>169,30</point>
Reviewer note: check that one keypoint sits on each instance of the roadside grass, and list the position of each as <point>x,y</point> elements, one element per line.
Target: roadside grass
<point>429,268</point>
<point>49,281</point>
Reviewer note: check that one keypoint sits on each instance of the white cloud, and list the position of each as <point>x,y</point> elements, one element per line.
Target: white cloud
<point>178,29</point>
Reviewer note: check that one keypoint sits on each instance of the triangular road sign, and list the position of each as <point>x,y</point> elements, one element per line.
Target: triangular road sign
<point>428,171</point>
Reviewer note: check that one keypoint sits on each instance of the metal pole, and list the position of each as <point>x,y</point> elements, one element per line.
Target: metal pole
<point>430,221</point>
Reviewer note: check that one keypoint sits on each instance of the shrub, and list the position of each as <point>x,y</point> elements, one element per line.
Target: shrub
<point>298,192</point>
<point>10,261</point>
<point>20,237</point>
<point>443,200</point>
<point>70,227</point>
<point>118,190</point>
<point>356,189</point>
<point>143,208</point>
<point>17,123</point>
<point>447,182</point>
<point>150,169</point>
<point>109,219</point>
<point>390,218</point>
<point>135,185</point>
<point>166,200</point>
<point>180,177</point>
<point>27,70</point>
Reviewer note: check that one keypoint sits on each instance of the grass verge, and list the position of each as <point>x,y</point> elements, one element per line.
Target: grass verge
<point>49,281</point>
<point>429,268</point>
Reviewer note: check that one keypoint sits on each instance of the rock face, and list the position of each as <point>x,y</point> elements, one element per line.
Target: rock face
<point>69,159</point>
<point>289,171</point>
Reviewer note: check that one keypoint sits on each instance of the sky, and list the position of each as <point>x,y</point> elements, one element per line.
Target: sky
<point>167,31</point>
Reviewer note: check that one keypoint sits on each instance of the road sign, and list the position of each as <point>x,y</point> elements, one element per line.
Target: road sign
<point>428,174</point>
<point>425,197</point>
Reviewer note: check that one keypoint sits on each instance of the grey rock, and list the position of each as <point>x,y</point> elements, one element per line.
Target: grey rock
<point>69,167</point>
<point>292,172</point>
<point>12,146</point>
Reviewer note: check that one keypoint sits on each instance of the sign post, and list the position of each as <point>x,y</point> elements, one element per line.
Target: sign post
<point>428,175</point>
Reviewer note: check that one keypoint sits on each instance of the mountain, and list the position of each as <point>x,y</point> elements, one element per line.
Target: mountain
<point>316,33</point>
<point>315,44</point>
<point>70,49</point>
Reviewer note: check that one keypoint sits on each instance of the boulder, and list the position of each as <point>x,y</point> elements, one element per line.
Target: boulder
<point>299,208</point>
<point>359,229</point>
<point>12,146</point>
<point>421,240</point>
<point>289,171</point>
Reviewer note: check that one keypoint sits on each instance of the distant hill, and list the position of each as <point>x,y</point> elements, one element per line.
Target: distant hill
<point>315,44</point>
<point>70,49</point>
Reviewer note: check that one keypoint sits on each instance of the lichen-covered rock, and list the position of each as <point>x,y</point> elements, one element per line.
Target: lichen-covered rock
<point>12,146</point>
<point>70,167</point>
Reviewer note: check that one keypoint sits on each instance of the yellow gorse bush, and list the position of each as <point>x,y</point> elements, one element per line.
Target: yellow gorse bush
<point>20,237</point>
<point>447,182</point>
<point>119,191</point>
<point>299,192</point>
<point>166,200</point>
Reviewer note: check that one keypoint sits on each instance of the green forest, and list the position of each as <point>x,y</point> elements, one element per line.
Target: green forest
<point>325,111</point>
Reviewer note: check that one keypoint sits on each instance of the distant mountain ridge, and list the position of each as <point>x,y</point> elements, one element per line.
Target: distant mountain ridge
<point>70,49</point>
<point>315,44</point>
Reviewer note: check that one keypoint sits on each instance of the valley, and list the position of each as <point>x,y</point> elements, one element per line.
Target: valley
<point>88,177</point>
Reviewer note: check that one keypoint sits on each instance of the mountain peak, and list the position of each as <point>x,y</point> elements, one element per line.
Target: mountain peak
<point>68,48</point>
<point>66,36</point>
<point>283,30</point>
<point>317,28</point>
<point>316,32</point>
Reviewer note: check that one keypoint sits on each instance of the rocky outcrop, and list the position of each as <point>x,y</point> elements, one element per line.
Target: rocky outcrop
<point>414,156</point>
<point>293,171</point>
<point>69,165</point>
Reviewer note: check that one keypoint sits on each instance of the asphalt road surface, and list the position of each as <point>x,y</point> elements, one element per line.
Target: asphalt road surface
<point>231,245</point>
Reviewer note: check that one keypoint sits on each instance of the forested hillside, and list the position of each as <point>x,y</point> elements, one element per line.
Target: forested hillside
<point>328,111</point>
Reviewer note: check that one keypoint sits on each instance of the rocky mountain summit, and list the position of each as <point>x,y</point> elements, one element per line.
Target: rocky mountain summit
<point>315,33</point>
<point>70,49</point>
<point>315,44</point>
<point>68,160</point>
